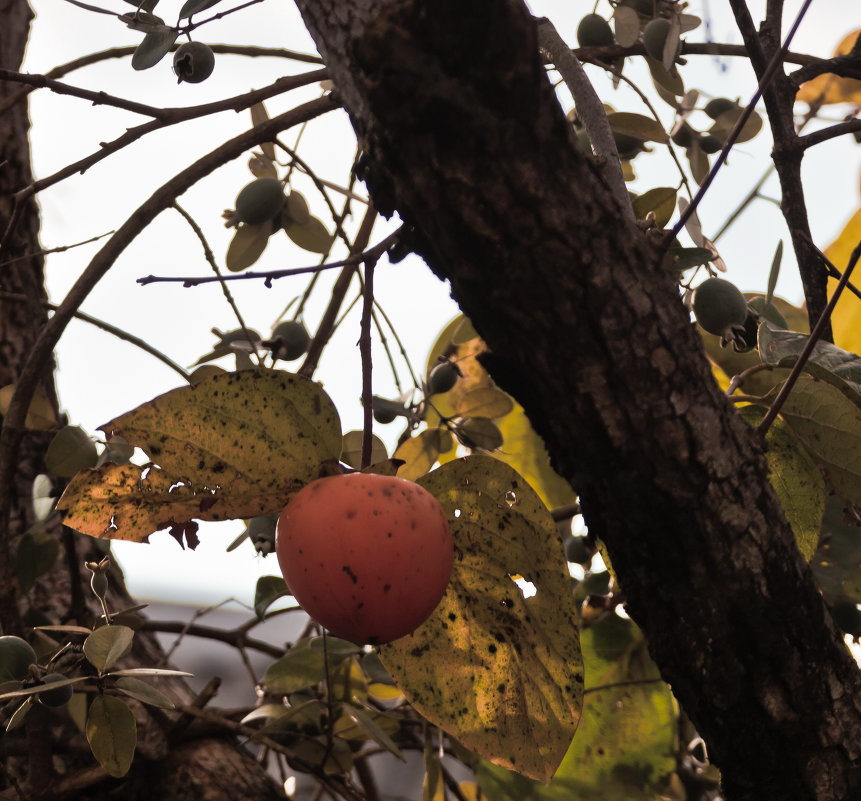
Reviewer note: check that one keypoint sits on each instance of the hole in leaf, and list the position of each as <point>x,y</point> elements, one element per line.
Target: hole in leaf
<point>527,588</point>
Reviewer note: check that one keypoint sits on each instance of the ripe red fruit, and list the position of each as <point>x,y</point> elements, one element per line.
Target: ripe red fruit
<point>367,556</point>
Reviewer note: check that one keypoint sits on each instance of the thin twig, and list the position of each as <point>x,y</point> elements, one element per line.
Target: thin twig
<point>367,364</point>
<point>119,333</point>
<point>821,323</point>
<point>169,116</point>
<point>271,275</point>
<point>339,292</point>
<point>210,258</point>
<point>771,70</point>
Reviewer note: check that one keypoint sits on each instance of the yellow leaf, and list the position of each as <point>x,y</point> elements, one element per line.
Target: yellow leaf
<point>830,88</point>
<point>234,445</point>
<point>846,318</point>
<point>40,415</point>
<point>500,671</point>
<point>419,454</point>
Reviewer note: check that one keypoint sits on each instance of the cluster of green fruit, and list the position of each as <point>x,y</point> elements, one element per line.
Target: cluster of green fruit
<point>595,31</point>
<point>16,659</point>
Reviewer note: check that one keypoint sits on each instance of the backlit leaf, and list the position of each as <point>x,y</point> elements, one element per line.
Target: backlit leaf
<point>640,127</point>
<point>154,47</point>
<point>484,402</point>
<point>258,117</point>
<point>499,671</point>
<point>311,236</point>
<point>625,745</point>
<point>829,425</point>
<point>40,415</point>
<point>661,200</point>
<point>830,88</point>
<point>193,6</point>
<point>846,318</point>
<point>247,246</point>
<point>419,454</point>
<point>351,449</point>
<point>246,438</point>
<point>796,480</point>
<point>112,734</point>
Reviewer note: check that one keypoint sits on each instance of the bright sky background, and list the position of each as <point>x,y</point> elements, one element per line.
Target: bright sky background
<point>100,377</point>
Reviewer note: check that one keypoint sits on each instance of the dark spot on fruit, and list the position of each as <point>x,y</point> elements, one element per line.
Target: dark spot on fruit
<point>351,514</point>
<point>389,534</point>
<point>386,587</point>
<point>350,573</point>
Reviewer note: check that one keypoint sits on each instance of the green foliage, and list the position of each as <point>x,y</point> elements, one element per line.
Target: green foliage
<point>112,734</point>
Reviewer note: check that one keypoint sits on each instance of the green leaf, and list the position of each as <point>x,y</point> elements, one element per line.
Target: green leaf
<point>479,433</point>
<point>774,272</point>
<point>351,449</point>
<point>419,453</point>
<point>154,47</point>
<point>501,672</point>
<point>685,258</point>
<point>661,200</point>
<point>247,246</point>
<point>671,82</point>
<point>71,450</point>
<point>193,6</point>
<point>247,438</point>
<point>827,361</point>
<point>626,21</point>
<point>311,236</point>
<point>829,425</point>
<point>106,645</point>
<point>259,115</point>
<point>268,590</point>
<point>626,741</point>
<point>724,124</point>
<point>297,208</point>
<point>640,127</point>
<point>301,667</point>
<point>143,692</point>
<point>366,722</point>
<point>796,480</point>
<point>112,734</point>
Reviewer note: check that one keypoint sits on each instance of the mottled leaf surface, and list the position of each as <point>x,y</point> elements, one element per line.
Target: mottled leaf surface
<point>234,445</point>
<point>500,671</point>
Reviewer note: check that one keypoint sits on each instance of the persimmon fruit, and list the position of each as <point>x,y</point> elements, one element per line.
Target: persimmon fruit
<point>367,556</point>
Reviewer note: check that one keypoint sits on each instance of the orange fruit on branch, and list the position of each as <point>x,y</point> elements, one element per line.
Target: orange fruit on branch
<point>367,556</point>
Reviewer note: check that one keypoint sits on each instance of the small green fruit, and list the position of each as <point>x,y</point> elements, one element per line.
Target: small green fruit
<point>384,411</point>
<point>193,62</point>
<point>289,341</point>
<point>442,378</point>
<point>655,36</point>
<point>714,108</point>
<point>16,656</point>
<point>594,31</point>
<point>577,550</point>
<point>710,144</point>
<point>719,305</point>
<point>59,695</point>
<point>260,201</point>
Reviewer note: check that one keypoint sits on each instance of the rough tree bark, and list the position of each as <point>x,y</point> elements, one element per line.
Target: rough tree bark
<point>189,768</point>
<point>467,142</point>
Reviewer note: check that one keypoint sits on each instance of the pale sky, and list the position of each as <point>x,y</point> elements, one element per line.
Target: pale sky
<point>100,377</point>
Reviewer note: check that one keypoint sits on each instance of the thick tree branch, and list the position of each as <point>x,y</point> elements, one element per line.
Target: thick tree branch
<point>670,478</point>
